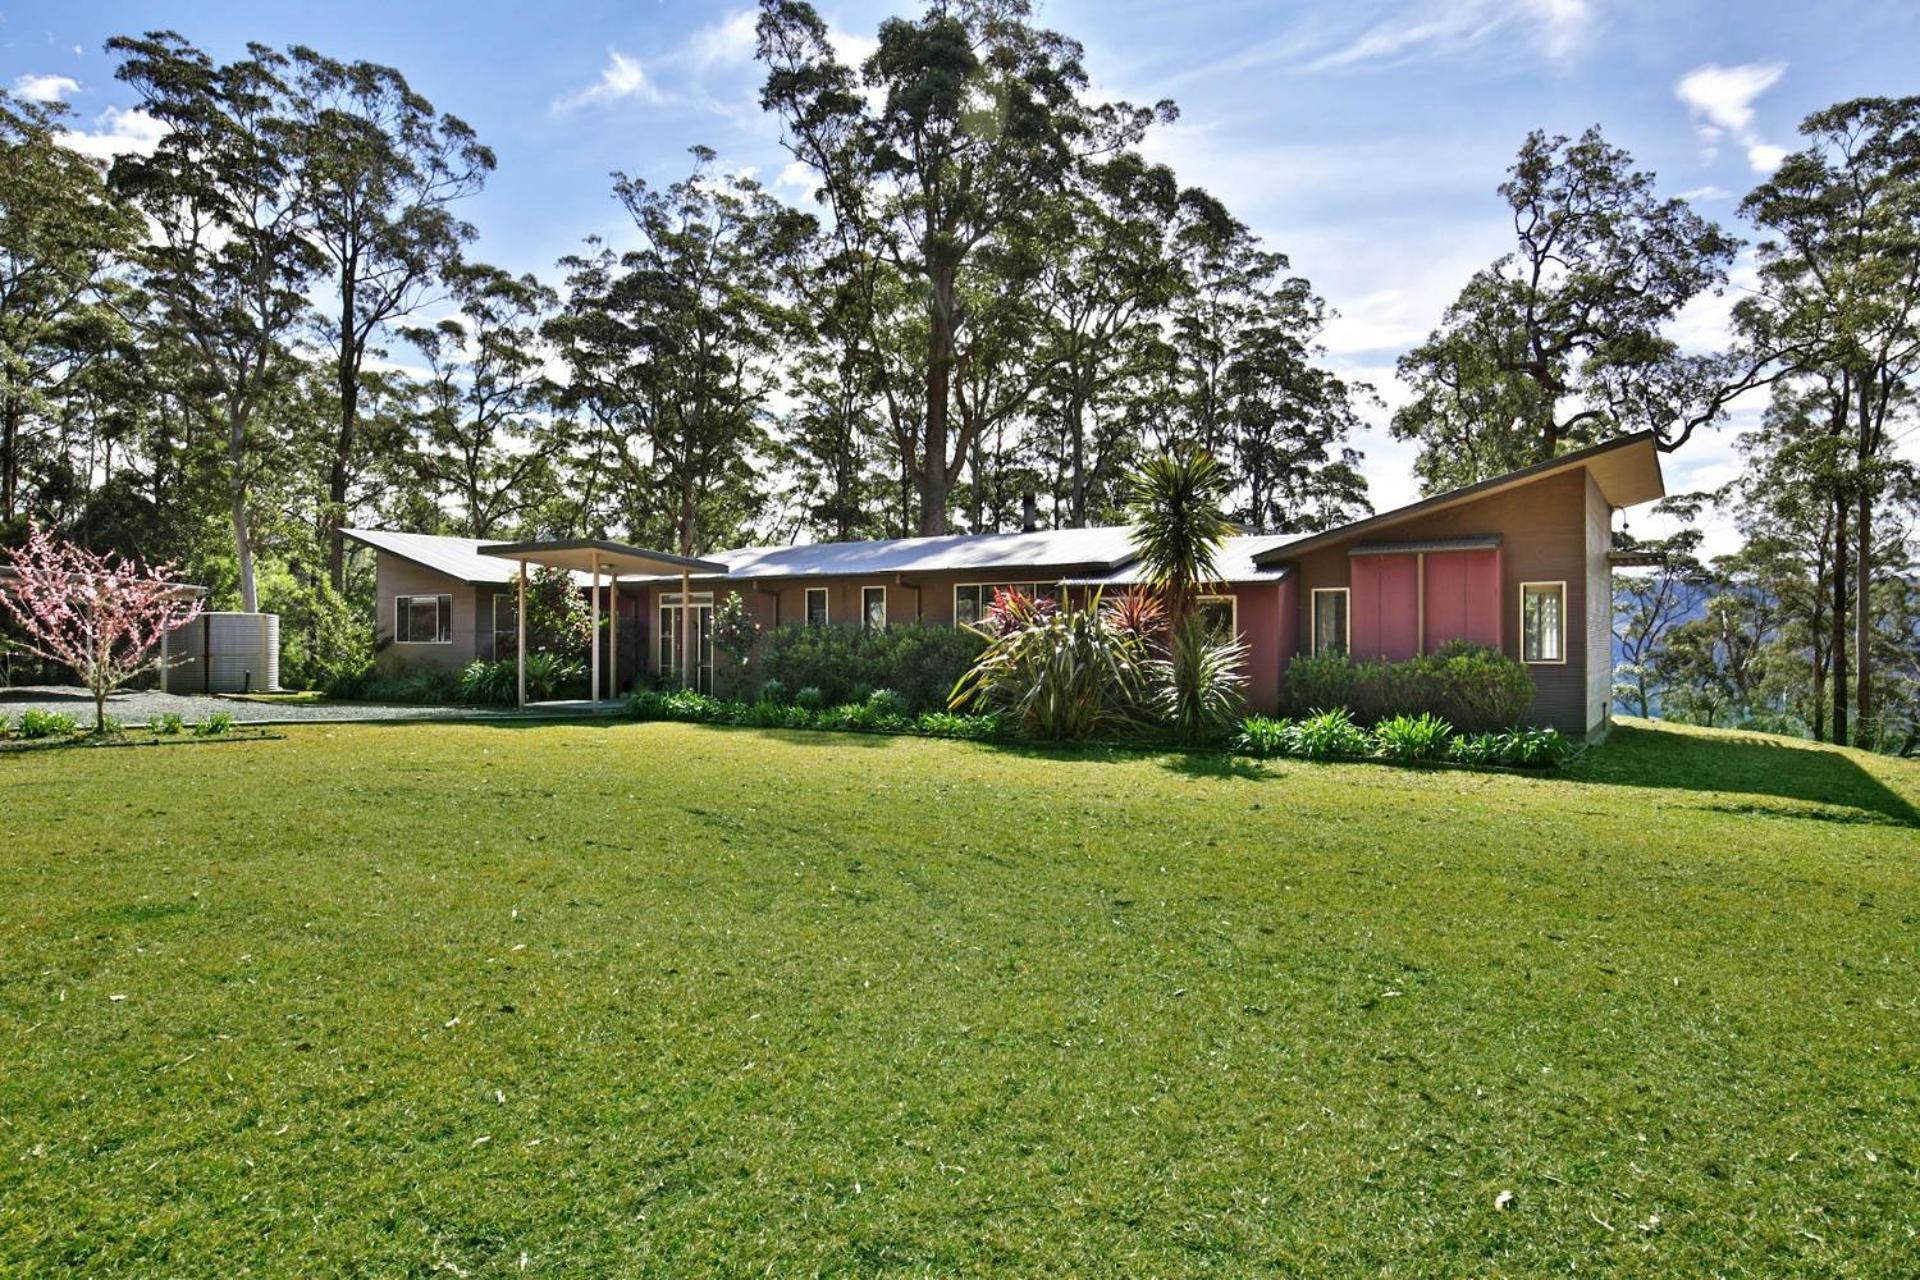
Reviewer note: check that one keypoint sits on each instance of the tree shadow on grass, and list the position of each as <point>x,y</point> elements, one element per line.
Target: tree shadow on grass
<point>1636,756</point>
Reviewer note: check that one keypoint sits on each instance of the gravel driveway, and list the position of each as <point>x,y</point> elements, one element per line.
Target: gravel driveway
<point>142,706</point>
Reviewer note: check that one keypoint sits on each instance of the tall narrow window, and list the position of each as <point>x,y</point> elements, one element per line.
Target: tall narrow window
<point>1543,621</point>
<point>423,619</point>
<point>506,627</point>
<point>816,606</point>
<point>1330,633</point>
<point>873,608</point>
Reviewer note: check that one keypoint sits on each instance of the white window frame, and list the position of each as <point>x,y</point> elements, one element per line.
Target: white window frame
<point>1032,590</point>
<point>1560,661</point>
<point>806,606</point>
<point>401,602</point>
<point>1313,619</point>
<point>1233,610</point>
<point>866,618</point>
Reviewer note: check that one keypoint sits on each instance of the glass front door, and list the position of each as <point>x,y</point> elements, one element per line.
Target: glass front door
<point>673,640</point>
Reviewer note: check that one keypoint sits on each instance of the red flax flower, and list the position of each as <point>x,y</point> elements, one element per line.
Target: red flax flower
<point>101,615</point>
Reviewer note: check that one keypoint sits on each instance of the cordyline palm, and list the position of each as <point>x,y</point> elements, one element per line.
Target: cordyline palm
<point>1177,526</point>
<point>1178,533</point>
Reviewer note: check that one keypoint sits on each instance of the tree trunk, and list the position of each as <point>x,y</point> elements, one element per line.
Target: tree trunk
<point>1076,430</point>
<point>934,481</point>
<point>9,455</point>
<point>1837,655</point>
<point>347,375</point>
<point>237,507</point>
<point>1863,613</point>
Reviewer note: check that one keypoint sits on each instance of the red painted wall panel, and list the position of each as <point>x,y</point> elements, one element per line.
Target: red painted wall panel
<point>1463,598</point>
<point>1386,606</point>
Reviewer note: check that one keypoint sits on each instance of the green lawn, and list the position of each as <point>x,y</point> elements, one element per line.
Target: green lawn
<point>659,999</point>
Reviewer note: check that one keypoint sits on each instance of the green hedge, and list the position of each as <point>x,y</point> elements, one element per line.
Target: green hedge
<point>846,664</point>
<point>1475,689</point>
<point>1334,735</point>
<point>882,711</point>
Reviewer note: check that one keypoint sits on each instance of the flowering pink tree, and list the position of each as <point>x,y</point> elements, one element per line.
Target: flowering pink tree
<point>101,615</point>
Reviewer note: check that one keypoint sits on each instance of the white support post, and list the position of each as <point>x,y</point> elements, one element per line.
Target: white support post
<point>613,635</point>
<point>593,680</point>
<point>520,638</point>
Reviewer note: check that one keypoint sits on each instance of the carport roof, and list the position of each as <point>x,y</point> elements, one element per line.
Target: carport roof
<point>585,555</point>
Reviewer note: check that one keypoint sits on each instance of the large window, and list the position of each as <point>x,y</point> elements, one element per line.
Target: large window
<point>673,639</point>
<point>506,628</point>
<point>423,619</point>
<point>1330,621</point>
<point>816,606</point>
<point>971,600</point>
<point>1222,617</point>
<point>1543,621</point>
<point>873,608</point>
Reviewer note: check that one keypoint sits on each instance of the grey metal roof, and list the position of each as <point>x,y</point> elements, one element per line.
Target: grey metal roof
<point>1235,563</point>
<point>1096,549</point>
<point>611,557</point>
<point>456,557</point>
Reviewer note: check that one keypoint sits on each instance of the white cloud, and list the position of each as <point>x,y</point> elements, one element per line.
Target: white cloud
<point>1721,101</point>
<point>729,42</point>
<point>117,132</point>
<point>1558,29</point>
<point>623,77</point>
<point>45,88</point>
<point>1708,192</point>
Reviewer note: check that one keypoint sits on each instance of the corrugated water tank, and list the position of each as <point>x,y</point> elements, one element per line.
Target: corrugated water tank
<point>226,653</point>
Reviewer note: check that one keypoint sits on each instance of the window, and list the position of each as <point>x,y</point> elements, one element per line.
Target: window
<point>816,606</point>
<point>1543,622</point>
<point>673,639</point>
<point>1222,617</point>
<point>971,600</point>
<point>1330,621</point>
<point>873,608</point>
<point>506,628</point>
<point>423,619</point>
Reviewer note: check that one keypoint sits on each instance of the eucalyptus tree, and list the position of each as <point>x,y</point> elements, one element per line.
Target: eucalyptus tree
<point>672,345</point>
<point>1104,282</point>
<point>228,260</point>
<point>959,126</point>
<point>378,170</point>
<point>1560,343</point>
<point>62,234</point>
<point>481,415</point>
<point>1840,291</point>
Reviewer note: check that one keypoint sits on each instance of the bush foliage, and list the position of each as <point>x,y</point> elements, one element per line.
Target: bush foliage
<point>846,664</point>
<point>1474,689</point>
<point>1333,734</point>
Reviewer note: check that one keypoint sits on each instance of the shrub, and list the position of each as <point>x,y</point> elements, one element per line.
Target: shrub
<point>1472,688</point>
<point>1534,748</point>
<point>219,724</point>
<point>419,686</point>
<point>773,691</point>
<point>35,723</point>
<point>953,724</point>
<point>110,727</point>
<point>1065,676</point>
<point>1264,736</point>
<point>1404,737</point>
<point>1197,687</point>
<point>846,664</point>
<point>888,703</point>
<point>1328,734</point>
<point>496,684</point>
<point>1476,748</point>
<point>168,726</point>
<point>810,698</point>
<point>1318,682</point>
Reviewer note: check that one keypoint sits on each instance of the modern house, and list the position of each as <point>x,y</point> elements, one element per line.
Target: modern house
<point>1520,563</point>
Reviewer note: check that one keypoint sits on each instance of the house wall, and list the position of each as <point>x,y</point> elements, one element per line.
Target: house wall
<point>1264,612</point>
<point>394,577</point>
<point>1547,532</point>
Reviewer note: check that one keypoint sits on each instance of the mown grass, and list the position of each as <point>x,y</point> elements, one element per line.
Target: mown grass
<point>662,999</point>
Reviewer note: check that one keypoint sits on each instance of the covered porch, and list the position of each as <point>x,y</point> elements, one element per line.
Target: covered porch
<point>617,560</point>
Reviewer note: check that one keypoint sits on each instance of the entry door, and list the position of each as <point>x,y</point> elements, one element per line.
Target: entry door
<point>673,636</point>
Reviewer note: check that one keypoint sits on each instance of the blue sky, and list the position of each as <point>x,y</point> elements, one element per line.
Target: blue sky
<point>1364,138</point>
